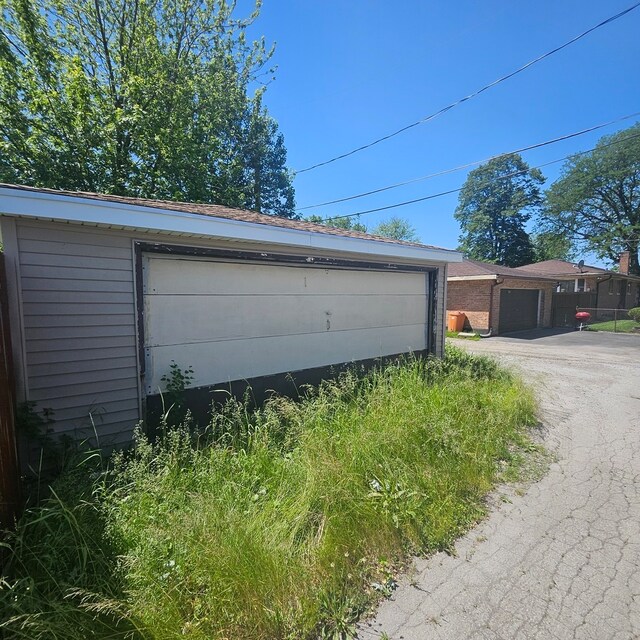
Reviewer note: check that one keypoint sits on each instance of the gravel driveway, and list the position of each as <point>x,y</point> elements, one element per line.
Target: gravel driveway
<point>562,560</point>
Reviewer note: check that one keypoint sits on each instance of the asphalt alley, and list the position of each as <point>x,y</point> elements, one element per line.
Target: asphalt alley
<point>560,560</point>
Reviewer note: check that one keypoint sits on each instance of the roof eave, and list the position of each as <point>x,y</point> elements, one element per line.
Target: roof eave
<point>515,276</point>
<point>65,208</point>
<point>461,278</point>
<point>588,274</point>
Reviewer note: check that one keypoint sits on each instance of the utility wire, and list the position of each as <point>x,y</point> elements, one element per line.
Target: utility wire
<point>474,94</point>
<point>470,164</point>
<point>446,193</point>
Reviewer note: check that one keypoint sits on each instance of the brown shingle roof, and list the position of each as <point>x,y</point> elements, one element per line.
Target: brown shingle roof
<point>476,268</point>
<point>560,268</point>
<point>220,211</point>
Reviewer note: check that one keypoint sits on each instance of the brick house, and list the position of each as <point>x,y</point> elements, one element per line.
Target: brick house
<point>498,298</point>
<point>588,287</point>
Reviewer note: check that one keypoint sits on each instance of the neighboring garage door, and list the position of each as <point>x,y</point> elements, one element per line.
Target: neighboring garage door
<point>235,321</point>
<point>518,310</point>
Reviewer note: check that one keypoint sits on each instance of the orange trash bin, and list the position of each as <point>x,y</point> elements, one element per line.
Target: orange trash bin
<point>455,321</point>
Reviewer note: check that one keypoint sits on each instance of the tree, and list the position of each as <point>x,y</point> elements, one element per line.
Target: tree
<point>397,229</point>
<point>596,201</point>
<point>351,224</point>
<point>270,184</point>
<point>495,203</point>
<point>147,98</point>
<point>548,245</point>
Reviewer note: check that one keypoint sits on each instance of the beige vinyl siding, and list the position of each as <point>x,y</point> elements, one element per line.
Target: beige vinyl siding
<point>79,320</point>
<point>78,328</point>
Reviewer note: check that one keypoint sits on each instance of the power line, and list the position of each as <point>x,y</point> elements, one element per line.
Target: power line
<point>470,164</point>
<point>446,193</point>
<point>474,94</point>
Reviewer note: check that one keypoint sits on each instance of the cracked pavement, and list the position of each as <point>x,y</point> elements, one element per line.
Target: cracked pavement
<point>561,560</point>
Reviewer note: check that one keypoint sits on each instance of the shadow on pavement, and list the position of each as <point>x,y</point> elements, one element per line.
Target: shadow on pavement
<point>536,334</point>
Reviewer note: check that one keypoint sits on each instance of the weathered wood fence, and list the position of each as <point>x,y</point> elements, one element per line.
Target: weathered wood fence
<point>564,306</point>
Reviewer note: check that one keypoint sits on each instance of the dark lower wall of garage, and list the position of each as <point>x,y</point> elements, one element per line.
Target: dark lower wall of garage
<point>202,400</point>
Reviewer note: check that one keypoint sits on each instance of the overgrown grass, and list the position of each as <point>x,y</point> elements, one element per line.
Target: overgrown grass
<point>280,523</point>
<point>620,326</point>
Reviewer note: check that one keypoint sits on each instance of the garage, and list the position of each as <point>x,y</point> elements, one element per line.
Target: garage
<point>269,318</point>
<point>499,299</point>
<point>518,309</point>
<point>106,292</point>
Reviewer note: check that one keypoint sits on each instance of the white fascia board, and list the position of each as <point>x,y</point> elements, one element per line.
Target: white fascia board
<point>496,277</point>
<point>35,204</point>
<point>463,278</point>
<point>592,274</point>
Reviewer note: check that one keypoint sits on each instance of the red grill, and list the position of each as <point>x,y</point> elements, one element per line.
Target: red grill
<point>582,318</point>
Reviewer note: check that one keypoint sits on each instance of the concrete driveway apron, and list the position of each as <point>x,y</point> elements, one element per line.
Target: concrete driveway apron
<point>561,561</point>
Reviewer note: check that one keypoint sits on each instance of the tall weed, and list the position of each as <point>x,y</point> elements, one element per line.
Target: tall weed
<point>284,522</point>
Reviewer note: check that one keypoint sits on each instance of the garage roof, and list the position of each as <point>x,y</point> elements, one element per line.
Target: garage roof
<point>477,270</point>
<point>204,220</point>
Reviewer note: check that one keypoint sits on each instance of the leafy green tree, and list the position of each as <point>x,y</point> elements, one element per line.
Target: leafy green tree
<point>146,98</point>
<point>596,201</point>
<point>495,203</point>
<point>548,245</point>
<point>352,224</point>
<point>397,229</point>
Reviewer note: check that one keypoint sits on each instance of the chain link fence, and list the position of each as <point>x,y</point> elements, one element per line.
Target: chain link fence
<point>616,320</point>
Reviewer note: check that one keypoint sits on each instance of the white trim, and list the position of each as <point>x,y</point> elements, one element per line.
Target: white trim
<point>585,274</point>
<point>136,302</point>
<point>462,278</point>
<point>56,207</point>
<point>500,275</point>
<point>539,319</point>
<point>427,325</point>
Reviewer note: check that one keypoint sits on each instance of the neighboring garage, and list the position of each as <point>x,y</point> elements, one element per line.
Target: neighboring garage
<point>105,293</point>
<point>519,309</point>
<point>499,299</point>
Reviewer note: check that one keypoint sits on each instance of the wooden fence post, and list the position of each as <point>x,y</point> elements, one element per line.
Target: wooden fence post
<point>10,498</point>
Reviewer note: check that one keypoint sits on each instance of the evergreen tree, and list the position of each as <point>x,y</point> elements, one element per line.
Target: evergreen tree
<point>269,183</point>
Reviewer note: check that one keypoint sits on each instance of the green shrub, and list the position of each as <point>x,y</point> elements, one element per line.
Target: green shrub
<point>634,314</point>
<point>277,523</point>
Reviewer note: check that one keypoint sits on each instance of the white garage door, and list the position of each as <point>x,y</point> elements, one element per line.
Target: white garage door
<point>235,321</point>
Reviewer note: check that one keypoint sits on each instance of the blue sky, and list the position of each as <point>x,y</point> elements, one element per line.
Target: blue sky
<point>349,72</point>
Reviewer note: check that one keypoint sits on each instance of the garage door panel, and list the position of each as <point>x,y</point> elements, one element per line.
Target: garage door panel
<point>225,361</point>
<point>177,276</point>
<point>518,309</point>
<point>231,317</point>
<point>233,321</point>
